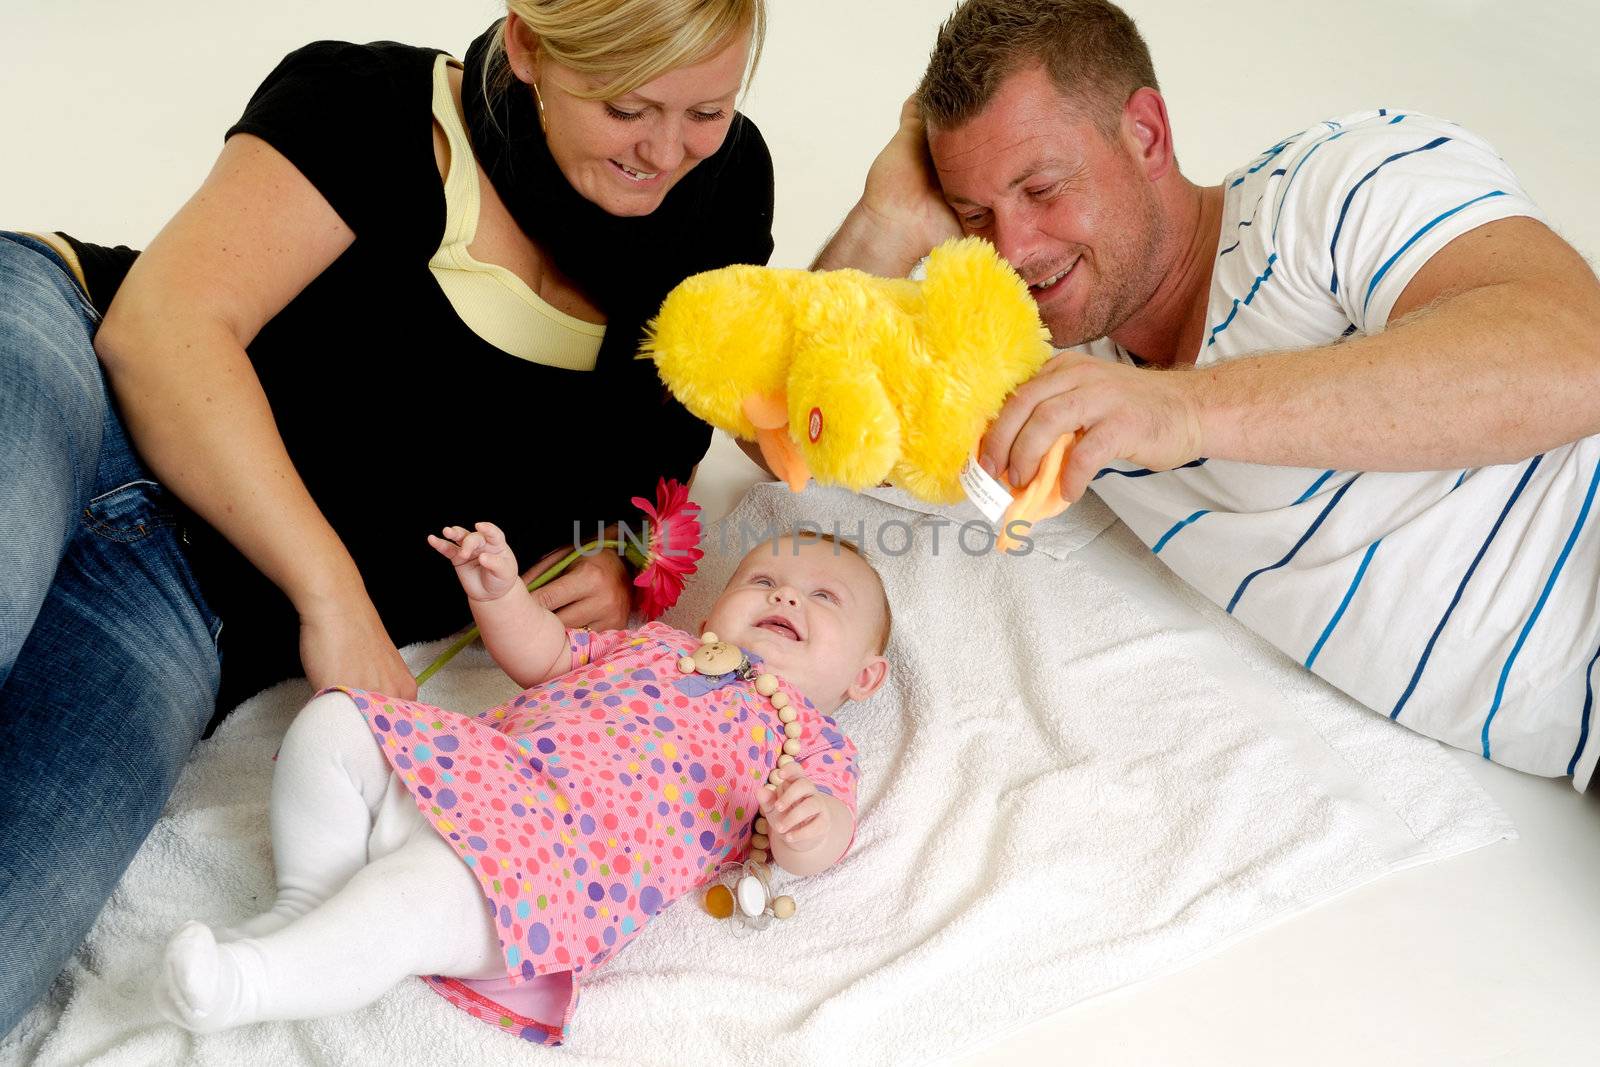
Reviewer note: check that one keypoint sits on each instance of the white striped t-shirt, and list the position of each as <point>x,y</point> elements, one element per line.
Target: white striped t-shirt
<point>1461,603</point>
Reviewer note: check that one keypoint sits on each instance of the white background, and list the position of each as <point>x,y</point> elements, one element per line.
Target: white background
<point>112,110</point>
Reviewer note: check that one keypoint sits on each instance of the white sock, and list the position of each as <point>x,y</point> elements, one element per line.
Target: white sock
<point>417,910</point>
<point>206,987</point>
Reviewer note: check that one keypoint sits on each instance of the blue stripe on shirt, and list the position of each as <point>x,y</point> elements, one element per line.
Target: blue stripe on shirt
<point>1298,545</point>
<point>1270,154</point>
<point>1533,616</point>
<point>1427,650</point>
<point>1303,160</point>
<point>1159,545</point>
<point>1318,484</point>
<point>1237,303</point>
<point>1361,572</point>
<point>1251,221</point>
<point>1142,472</point>
<point>1378,277</point>
<point>1162,542</point>
<point>1333,246</point>
<point>1588,703</point>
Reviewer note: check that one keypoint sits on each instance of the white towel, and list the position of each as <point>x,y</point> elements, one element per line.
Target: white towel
<point>1065,789</point>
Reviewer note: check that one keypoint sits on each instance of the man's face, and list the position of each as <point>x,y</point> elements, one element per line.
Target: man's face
<point>1067,206</point>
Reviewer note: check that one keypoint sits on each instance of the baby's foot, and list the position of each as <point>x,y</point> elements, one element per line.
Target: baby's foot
<point>200,987</point>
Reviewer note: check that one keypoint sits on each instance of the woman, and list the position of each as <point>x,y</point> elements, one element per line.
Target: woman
<point>353,298</point>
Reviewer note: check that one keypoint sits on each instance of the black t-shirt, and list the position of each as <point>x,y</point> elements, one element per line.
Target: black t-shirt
<point>397,416</point>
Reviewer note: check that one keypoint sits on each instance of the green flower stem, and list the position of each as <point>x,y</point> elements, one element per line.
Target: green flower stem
<point>549,574</point>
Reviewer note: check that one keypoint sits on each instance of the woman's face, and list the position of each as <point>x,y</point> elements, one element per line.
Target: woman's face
<point>625,154</point>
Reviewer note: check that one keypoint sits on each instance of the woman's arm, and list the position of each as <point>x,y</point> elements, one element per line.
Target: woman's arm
<point>173,346</point>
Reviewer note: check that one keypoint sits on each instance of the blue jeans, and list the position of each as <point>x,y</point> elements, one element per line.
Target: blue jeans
<point>108,658</point>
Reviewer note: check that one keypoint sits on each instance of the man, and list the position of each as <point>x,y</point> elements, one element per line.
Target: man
<point>1351,393</point>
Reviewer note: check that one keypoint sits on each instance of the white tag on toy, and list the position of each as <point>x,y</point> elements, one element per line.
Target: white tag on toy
<point>985,492</point>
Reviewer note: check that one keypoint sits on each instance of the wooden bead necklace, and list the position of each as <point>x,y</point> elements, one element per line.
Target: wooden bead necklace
<point>750,895</point>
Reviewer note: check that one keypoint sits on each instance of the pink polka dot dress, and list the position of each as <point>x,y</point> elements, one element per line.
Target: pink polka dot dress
<point>587,804</point>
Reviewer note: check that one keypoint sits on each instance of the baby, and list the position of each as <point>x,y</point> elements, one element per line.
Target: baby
<point>505,855</point>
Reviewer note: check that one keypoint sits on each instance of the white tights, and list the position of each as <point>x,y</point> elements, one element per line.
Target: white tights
<point>368,893</point>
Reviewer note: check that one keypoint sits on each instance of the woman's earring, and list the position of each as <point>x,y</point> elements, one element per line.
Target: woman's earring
<point>544,124</point>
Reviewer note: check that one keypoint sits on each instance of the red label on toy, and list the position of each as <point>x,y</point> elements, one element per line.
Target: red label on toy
<point>814,427</point>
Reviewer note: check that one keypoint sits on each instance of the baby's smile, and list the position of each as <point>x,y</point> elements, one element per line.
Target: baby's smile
<point>782,627</point>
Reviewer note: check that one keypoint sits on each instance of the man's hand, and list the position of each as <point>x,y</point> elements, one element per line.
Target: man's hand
<point>901,214</point>
<point>483,561</point>
<point>596,591</point>
<point>795,814</point>
<point>902,189</point>
<point>1149,417</point>
<point>351,647</point>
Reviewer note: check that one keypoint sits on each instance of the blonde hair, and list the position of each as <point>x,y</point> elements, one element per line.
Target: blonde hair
<point>626,43</point>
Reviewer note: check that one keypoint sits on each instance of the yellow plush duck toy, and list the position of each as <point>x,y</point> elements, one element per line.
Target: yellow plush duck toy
<point>857,380</point>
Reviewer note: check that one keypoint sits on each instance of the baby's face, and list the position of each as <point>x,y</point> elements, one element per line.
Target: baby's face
<point>813,612</point>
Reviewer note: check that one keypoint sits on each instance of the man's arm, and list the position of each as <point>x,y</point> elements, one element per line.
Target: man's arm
<point>1492,355</point>
<point>901,214</point>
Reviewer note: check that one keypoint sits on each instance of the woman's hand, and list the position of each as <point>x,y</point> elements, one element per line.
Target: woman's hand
<point>348,645</point>
<point>482,559</point>
<point>596,591</point>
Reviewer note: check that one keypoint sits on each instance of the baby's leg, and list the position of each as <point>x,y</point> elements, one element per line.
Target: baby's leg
<point>418,910</point>
<point>326,788</point>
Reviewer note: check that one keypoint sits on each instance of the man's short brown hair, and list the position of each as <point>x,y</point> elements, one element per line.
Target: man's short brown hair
<point>1090,48</point>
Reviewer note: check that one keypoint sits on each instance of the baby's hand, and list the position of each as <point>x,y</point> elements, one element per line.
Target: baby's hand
<point>483,560</point>
<point>795,814</point>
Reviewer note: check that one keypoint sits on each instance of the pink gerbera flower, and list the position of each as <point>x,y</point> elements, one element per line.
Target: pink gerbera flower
<point>674,538</point>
